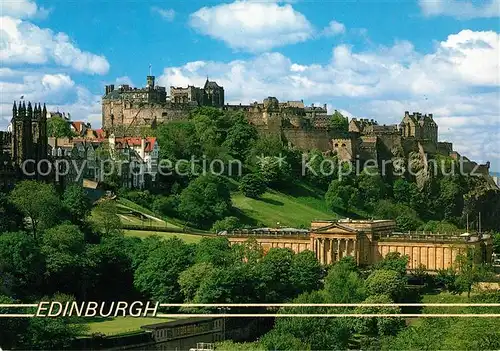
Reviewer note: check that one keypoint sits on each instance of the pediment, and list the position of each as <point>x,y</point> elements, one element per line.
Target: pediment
<point>335,228</point>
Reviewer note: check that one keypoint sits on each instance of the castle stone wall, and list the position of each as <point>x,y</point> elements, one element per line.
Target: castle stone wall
<point>308,139</point>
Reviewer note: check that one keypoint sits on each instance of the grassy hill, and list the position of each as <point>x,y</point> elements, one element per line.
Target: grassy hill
<point>296,207</point>
<point>188,238</point>
<point>274,207</point>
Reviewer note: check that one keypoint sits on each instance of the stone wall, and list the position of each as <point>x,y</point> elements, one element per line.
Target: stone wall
<point>308,139</point>
<point>296,244</point>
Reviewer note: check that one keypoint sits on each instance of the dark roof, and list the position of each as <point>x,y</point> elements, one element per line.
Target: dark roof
<point>115,94</point>
<point>178,322</point>
<point>211,84</point>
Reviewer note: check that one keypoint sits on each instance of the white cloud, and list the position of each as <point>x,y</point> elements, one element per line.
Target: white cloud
<point>22,9</point>
<point>463,9</point>
<point>166,14</point>
<point>23,42</point>
<point>124,80</point>
<point>458,82</point>
<point>334,28</point>
<point>57,90</point>
<point>252,26</point>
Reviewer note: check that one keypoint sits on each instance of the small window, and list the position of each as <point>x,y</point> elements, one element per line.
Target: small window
<point>343,145</point>
<point>336,145</point>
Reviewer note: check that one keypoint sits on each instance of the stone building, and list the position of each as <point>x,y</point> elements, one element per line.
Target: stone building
<point>369,241</point>
<point>126,110</point>
<point>210,95</point>
<point>29,133</point>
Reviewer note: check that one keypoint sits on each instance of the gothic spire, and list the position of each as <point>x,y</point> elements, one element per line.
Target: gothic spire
<point>14,109</point>
<point>29,110</point>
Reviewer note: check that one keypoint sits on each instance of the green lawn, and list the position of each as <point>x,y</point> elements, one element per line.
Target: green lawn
<point>188,238</point>
<point>275,207</point>
<point>126,206</point>
<point>121,325</point>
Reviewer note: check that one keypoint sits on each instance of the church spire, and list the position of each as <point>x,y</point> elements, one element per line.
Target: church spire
<point>29,114</point>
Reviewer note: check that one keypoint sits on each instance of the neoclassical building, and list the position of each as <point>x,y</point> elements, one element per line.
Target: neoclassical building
<point>369,241</point>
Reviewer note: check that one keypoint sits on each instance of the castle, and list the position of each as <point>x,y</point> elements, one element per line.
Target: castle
<point>126,110</point>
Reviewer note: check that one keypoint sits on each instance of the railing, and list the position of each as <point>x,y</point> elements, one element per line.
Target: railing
<point>153,228</point>
<point>272,233</point>
<point>428,237</point>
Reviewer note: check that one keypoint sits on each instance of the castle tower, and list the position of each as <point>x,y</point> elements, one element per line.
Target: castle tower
<point>150,81</point>
<point>42,132</point>
<point>29,133</point>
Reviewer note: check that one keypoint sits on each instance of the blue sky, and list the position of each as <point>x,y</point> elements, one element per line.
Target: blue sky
<point>371,59</point>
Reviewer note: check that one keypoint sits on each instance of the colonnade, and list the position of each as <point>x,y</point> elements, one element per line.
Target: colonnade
<point>330,250</point>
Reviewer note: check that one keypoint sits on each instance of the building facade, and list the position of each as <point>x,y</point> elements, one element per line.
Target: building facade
<point>369,241</point>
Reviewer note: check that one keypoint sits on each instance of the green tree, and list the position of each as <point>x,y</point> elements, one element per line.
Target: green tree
<point>216,251</point>
<point>76,202</point>
<point>157,277</point>
<point>277,340</point>
<point>344,285</point>
<point>319,333</point>
<point>206,199</point>
<point>496,243</point>
<point>240,137</point>
<point>451,197</point>
<point>342,196</point>
<point>58,127</point>
<point>274,272</point>
<point>371,187</point>
<point>231,284</point>
<point>64,250</point>
<point>228,223</point>
<point>105,218</point>
<point>305,272</point>
<point>166,205</point>
<point>51,333</point>
<point>470,271</point>
<point>21,263</point>
<point>386,282</point>
<point>191,279</point>
<point>275,171</point>
<point>339,124</point>
<point>394,261</point>
<point>11,329</point>
<point>38,202</point>
<point>378,326</point>
<point>320,168</point>
<point>10,218</point>
<point>252,185</point>
<point>178,140</point>
<point>109,271</point>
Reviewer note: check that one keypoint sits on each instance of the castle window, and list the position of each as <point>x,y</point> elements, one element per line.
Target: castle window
<point>336,145</point>
<point>343,145</point>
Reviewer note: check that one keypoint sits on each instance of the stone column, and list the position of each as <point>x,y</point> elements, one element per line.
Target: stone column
<point>322,251</point>
<point>332,250</point>
<point>339,256</point>
<point>346,243</point>
<point>355,249</point>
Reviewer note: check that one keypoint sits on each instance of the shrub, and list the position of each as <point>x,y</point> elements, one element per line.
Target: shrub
<point>252,185</point>
<point>228,223</point>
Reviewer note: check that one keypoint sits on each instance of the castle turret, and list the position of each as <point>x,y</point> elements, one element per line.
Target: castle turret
<point>150,82</point>
<point>14,111</point>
